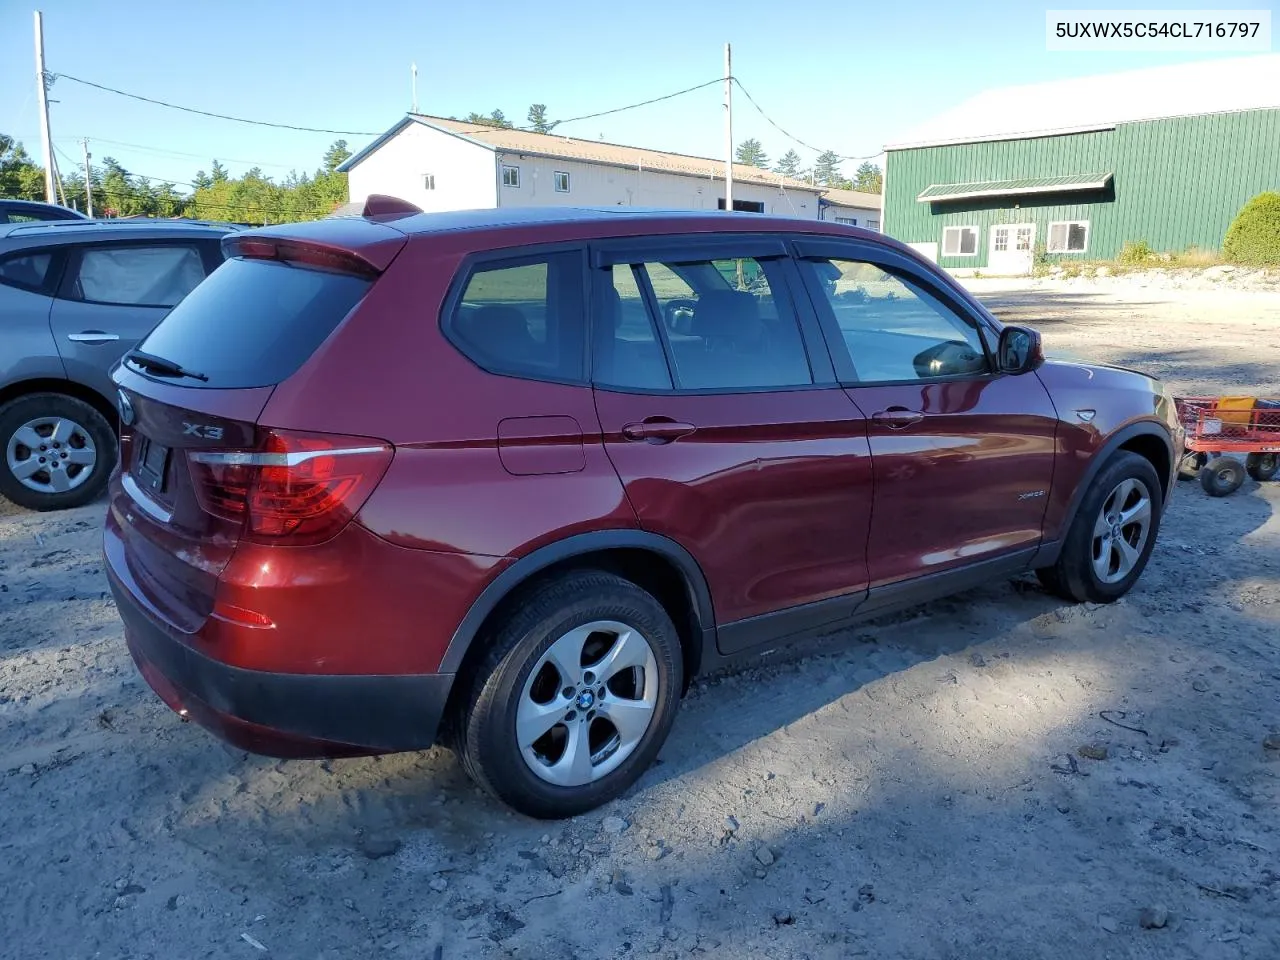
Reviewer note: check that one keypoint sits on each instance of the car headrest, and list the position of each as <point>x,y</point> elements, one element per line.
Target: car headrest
<point>501,331</point>
<point>726,313</point>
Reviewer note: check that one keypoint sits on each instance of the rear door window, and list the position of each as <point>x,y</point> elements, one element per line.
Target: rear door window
<point>253,323</point>
<point>523,317</point>
<point>137,275</point>
<point>33,270</point>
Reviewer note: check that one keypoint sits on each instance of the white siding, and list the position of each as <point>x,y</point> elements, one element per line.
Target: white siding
<point>465,177</point>
<point>599,185</point>
<point>867,217</point>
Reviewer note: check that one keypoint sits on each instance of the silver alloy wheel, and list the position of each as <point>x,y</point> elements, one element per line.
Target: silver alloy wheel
<point>51,455</point>
<point>587,704</point>
<point>1121,530</point>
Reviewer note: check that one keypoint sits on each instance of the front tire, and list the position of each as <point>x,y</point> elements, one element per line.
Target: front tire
<point>56,452</point>
<point>574,698</point>
<point>1111,538</point>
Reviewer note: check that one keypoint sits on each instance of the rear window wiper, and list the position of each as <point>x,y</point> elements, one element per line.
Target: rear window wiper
<point>165,368</point>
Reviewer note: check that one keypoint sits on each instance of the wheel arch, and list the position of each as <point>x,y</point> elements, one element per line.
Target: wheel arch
<point>1149,439</point>
<point>68,388</point>
<point>654,563</point>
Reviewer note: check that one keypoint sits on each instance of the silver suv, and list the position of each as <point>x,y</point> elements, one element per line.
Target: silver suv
<point>74,296</point>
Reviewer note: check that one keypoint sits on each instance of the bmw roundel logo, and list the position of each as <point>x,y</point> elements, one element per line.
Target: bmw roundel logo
<point>126,408</point>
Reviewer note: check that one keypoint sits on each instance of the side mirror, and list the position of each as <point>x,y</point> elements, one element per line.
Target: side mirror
<point>1020,350</point>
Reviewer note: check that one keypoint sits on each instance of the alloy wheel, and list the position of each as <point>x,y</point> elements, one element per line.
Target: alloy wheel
<point>51,455</point>
<point>1121,530</point>
<point>587,703</point>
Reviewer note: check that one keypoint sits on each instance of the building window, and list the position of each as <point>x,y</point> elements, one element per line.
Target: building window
<point>562,181</point>
<point>1069,236</point>
<point>1023,241</point>
<point>1001,242</point>
<point>742,206</point>
<point>959,241</point>
<point>510,176</point>
<point>428,181</point>
<point>851,221</point>
<point>873,224</point>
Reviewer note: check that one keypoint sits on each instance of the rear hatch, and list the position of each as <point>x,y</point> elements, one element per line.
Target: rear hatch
<point>198,473</point>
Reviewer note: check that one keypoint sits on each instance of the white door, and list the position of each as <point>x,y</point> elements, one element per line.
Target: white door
<point>1012,249</point>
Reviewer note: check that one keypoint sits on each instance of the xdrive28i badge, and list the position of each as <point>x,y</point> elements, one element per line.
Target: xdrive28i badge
<point>127,416</point>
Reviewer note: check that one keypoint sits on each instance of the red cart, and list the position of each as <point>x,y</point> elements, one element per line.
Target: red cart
<point>1223,430</point>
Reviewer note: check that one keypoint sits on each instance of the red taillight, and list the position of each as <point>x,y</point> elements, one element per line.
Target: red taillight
<point>297,488</point>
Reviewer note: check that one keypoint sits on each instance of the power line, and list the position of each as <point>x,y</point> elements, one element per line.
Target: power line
<point>364,133</point>
<point>216,116</point>
<point>790,136</point>
<point>178,153</point>
<point>632,106</point>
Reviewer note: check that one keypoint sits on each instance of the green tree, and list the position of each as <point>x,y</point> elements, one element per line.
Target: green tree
<point>218,172</point>
<point>868,178</point>
<point>495,119</point>
<point>538,122</point>
<point>752,154</point>
<point>336,155</point>
<point>789,164</point>
<point>202,180</point>
<point>1254,235</point>
<point>826,169</point>
<point>21,178</point>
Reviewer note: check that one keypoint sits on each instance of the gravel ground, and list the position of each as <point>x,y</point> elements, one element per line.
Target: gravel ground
<point>993,776</point>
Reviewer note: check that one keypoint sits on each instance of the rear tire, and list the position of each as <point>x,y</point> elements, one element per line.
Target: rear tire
<point>56,452</point>
<point>1111,538</point>
<point>576,653</point>
<point>1222,476</point>
<point>1262,466</point>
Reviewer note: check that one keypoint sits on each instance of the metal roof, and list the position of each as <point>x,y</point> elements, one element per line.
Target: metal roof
<point>1099,102</point>
<point>853,198</point>
<point>941,192</point>
<point>591,151</point>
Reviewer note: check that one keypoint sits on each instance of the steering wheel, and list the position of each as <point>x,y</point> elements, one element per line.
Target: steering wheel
<point>677,313</point>
<point>948,358</point>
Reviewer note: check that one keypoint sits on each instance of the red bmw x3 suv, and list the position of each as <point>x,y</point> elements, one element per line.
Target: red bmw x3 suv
<point>507,479</point>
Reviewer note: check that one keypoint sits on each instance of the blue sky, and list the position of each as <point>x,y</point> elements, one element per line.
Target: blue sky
<point>847,77</point>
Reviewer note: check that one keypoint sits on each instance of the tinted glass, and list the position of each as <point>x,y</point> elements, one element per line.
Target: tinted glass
<point>253,323</point>
<point>893,329</point>
<point>524,318</point>
<point>727,325</point>
<point>627,350</point>
<point>28,271</point>
<point>158,276</point>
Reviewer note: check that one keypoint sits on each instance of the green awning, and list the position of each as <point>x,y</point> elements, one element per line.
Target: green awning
<point>942,192</point>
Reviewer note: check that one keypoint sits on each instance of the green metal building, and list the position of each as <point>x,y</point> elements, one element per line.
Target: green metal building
<point>1077,186</point>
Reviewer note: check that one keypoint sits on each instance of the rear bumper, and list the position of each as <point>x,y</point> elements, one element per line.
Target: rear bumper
<point>280,714</point>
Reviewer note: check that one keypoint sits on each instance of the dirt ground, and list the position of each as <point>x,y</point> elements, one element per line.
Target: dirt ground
<point>916,788</point>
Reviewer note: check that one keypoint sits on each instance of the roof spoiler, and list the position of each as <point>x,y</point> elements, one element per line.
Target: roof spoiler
<point>381,205</point>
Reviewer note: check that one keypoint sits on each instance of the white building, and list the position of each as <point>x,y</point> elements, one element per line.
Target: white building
<point>441,164</point>
<point>851,207</point>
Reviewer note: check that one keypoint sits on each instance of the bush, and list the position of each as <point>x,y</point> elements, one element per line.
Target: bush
<point>1254,235</point>
<point>1136,252</point>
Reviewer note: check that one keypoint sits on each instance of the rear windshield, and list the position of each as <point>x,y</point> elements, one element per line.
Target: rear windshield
<point>253,323</point>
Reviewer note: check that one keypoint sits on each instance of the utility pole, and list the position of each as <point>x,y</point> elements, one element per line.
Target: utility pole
<point>88,178</point>
<point>728,130</point>
<point>413,72</point>
<point>50,191</point>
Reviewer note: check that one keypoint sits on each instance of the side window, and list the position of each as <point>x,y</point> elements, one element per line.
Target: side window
<point>152,276</point>
<point>523,318</point>
<point>627,350</point>
<point>729,324</point>
<point>29,271</point>
<point>893,329</point>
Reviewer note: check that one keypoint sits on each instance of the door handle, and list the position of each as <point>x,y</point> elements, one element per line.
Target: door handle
<point>895,418</point>
<point>93,336</point>
<point>657,430</point>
